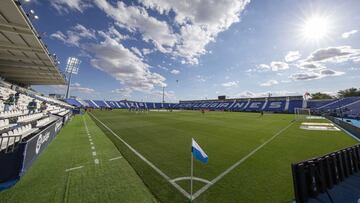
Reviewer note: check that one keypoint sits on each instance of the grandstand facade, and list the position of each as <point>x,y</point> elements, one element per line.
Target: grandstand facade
<point>348,107</point>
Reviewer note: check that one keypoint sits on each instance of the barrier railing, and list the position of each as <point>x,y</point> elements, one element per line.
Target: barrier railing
<point>347,126</point>
<point>9,143</point>
<point>316,176</point>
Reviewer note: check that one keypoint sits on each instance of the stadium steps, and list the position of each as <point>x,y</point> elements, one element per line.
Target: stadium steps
<point>108,181</point>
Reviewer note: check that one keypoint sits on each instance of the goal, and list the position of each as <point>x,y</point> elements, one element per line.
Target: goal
<point>301,113</point>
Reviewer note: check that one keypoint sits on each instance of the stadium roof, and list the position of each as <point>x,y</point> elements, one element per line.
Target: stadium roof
<point>24,59</point>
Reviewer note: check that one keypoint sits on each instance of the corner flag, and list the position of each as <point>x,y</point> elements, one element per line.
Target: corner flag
<point>198,153</point>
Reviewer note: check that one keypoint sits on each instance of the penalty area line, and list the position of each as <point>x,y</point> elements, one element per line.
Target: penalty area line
<point>116,158</point>
<point>219,177</point>
<point>186,194</point>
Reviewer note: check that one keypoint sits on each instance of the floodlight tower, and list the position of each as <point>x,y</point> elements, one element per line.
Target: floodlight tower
<point>72,67</point>
<point>163,94</point>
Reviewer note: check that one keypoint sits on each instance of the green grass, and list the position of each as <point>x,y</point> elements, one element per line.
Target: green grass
<point>164,139</point>
<point>109,181</point>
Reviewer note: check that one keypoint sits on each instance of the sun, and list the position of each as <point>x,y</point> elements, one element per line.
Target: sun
<point>316,28</point>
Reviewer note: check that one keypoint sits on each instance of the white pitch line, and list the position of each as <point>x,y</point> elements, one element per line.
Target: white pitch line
<point>186,194</point>
<point>219,177</point>
<point>188,178</point>
<point>116,158</point>
<point>96,161</point>
<point>75,168</point>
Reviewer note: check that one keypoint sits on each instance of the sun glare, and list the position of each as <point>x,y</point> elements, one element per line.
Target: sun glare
<point>316,28</point>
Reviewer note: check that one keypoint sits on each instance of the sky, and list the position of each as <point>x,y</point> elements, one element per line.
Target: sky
<point>201,49</point>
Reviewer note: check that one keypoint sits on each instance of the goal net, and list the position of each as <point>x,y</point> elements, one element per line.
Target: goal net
<point>301,113</point>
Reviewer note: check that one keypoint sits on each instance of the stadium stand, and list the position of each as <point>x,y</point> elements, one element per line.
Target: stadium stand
<point>23,130</point>
<point>349,106</point>
<point>28,120</point>
<point>275,104</point>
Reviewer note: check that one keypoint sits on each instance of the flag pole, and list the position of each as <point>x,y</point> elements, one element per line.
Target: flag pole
<point>191,176</point>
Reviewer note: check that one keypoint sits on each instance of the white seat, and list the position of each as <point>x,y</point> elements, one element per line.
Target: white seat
<point>16,132</point>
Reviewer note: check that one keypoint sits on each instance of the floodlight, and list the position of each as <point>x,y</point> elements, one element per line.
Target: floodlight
<point>72,65</point>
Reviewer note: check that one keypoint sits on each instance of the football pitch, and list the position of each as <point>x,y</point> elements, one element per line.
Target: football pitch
<point>249,155</point>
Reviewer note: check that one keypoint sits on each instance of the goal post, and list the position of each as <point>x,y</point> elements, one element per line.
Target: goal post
<point>301,113</point>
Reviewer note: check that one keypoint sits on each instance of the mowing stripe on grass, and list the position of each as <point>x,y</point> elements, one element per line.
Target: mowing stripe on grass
<point>75,168</point>
<point>186,194</point>
<point>219,177</point>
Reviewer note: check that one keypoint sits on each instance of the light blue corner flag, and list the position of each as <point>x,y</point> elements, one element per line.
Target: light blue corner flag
<point>198,153</point>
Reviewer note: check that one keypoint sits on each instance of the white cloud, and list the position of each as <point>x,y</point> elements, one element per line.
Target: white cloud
<point>329,72</point>
<point>175,72</point>
<point>304,76</point>
<point>169,95</point>
<point>136,18</point>
<point>197,23</point>
<point>346,35</point>
<point>76,87</point>
<point>269,83</point>
<point>292,56</point>
<point>313,75</point>
<point>110,56</point>
<point>74,35</point>
<point>64,5</point>
<point>259,68</point>
<point>334,54</point>
<point>311,66</point>
<point>278,66</point>
<point>230,84</point>
<point>136,51</point>
<point>147,51</point>
<point>124,92</point>
<point>250,94</point>
<point>113,58</point>
<point>200,22</point>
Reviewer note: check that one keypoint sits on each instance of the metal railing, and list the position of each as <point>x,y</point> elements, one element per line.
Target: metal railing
<point>9,143</point>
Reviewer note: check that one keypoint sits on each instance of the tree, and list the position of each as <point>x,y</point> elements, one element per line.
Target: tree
<point>351,92</point>
<point>320,95</point>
